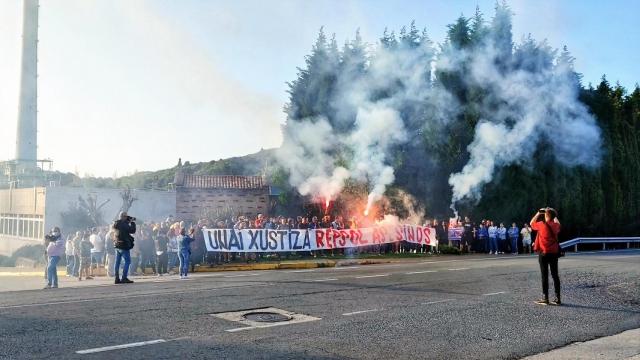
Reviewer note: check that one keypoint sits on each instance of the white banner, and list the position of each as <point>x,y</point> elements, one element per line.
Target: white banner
<point>264,240</point>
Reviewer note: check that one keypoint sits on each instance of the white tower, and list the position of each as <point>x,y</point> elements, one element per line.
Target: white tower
<point>26,141</point>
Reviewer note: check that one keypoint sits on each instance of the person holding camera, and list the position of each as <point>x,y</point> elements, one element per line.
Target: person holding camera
<point>55,249</point>
<point>123,228</point>
<point>546,223</point>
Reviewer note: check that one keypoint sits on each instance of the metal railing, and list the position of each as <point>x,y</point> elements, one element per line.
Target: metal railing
<point>600,240</point>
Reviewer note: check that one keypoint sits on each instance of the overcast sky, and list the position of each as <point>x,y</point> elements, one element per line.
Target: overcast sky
<point>133,85</point>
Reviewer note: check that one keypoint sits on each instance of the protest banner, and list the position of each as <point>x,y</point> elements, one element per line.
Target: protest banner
<point>266,240</point>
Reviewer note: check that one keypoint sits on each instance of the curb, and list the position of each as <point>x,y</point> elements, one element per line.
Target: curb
<point>274,266</point>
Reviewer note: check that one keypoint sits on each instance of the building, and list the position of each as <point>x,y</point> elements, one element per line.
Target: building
<point>26,214</point>
<point>199,196</point>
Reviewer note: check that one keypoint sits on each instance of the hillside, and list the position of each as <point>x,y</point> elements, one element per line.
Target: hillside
<point>252,164</point>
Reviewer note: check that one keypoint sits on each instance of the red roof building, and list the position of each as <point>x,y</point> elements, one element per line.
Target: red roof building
<point>214,196</point>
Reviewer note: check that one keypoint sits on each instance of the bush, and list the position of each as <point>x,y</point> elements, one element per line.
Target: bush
<point>32,252</point>
<point>448,250</point>
<point>7,261</point>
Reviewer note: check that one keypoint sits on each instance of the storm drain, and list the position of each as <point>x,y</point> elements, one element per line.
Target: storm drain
<point>264,317</point>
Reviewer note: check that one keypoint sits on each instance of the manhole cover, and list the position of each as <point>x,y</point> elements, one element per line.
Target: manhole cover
<point>268,317</point>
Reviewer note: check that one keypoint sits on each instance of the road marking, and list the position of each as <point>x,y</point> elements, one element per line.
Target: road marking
<point>458,269</point>
<point>118,347</point>
<point>347,268</point>
<point>127,296</point>
<point>360,312</point>
<point>371,276</point>
<point>437,301</point>
<point>240,275</point>
<point>301,271</point>
<point>495,293</point>
<point>420,272</point>
<point>320,280</point>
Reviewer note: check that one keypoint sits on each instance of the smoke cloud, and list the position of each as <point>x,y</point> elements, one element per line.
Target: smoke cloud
<point>402,95</point>
<point>537,102</point>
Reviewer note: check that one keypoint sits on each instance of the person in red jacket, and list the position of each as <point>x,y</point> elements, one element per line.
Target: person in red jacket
<point>548,249</point>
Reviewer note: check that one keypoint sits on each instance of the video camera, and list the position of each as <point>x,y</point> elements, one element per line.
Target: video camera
<point>50,238</point>
<point>131,219</point>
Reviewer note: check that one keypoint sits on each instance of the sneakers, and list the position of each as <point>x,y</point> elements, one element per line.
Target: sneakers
<point>89,278</point>
<point>542,302</point>
<point>126,281</point>
<point>556,302</point>
<point>54,286</point>
<point>46,287</point>
<point>117,281</point>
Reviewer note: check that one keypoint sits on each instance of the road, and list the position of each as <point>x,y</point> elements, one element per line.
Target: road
<point>478,307</point>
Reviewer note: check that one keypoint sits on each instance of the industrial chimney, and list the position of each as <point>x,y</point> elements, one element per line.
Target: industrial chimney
<point>26,141</point>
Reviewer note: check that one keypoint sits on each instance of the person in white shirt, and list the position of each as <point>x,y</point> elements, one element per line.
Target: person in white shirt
<point>69,254</point>
<point>526,238</point>
<point>97,253</point>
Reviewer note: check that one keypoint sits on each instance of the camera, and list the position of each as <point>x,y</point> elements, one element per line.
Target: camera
<point>542,211</point>
<point>50,238</point>
<point>130,219</point>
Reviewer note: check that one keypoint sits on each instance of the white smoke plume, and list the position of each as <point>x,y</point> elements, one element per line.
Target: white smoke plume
<point>538,103</point>
<point>528,97</point>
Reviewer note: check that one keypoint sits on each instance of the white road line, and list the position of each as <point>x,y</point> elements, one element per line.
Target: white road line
<point>420,272</point>
<point>118,347</point>
<point>360,312</point>
<point>320,280</point>
<point>347,268</point>
<point>458,269</point>
<point>495,293</point>
<point>437,301</point>
<point>371,276</point>
<point>127,296</point>
<point>241,275</point>
<point>301,271</point>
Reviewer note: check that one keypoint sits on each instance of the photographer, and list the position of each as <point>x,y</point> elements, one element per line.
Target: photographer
<point>123,243</point>
<point>55,249</point>
<point>546,223</point>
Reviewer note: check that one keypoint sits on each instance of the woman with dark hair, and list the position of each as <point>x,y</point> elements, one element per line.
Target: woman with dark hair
<point>546,223</point>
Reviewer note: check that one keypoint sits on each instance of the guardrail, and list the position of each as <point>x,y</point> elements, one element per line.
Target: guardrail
<point>600,240</point>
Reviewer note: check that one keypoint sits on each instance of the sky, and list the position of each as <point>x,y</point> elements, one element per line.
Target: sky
<point>132,85</point>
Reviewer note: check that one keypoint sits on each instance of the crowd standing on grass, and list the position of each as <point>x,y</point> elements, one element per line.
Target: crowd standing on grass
<point>175,246</point>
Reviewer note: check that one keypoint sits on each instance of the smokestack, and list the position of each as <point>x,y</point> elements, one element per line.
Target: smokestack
<point>26,141</point>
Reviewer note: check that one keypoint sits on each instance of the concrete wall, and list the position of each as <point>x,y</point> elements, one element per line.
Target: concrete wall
<point>22,201</point>
<point>152,205</point>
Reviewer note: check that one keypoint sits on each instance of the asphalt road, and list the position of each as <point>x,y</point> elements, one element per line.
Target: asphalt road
<point>441,308</point>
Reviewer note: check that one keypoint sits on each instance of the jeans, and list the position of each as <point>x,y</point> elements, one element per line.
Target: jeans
<point>71,263</point>
<point>97,258</point>
<point>52,271</point>
<point>514,245</point>
<point>184,261</point>
<point>76,265</point>
<point>173,257</point>
<point>121,253</point>
<point>493,245</point>
<point>549,261</point>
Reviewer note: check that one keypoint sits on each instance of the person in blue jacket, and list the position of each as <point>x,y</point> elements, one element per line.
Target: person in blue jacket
<point>184,250</point>
<point>483,234</point>
<point>514,232</point>
<point>493,238</point>
<point>502,238</point>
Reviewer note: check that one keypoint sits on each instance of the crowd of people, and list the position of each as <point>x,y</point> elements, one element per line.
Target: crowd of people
<point>172,245</point>
<point>160,247</point>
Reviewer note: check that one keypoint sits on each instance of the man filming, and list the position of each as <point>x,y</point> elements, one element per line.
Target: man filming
<point>546,223</point>
<point>123,228</point>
